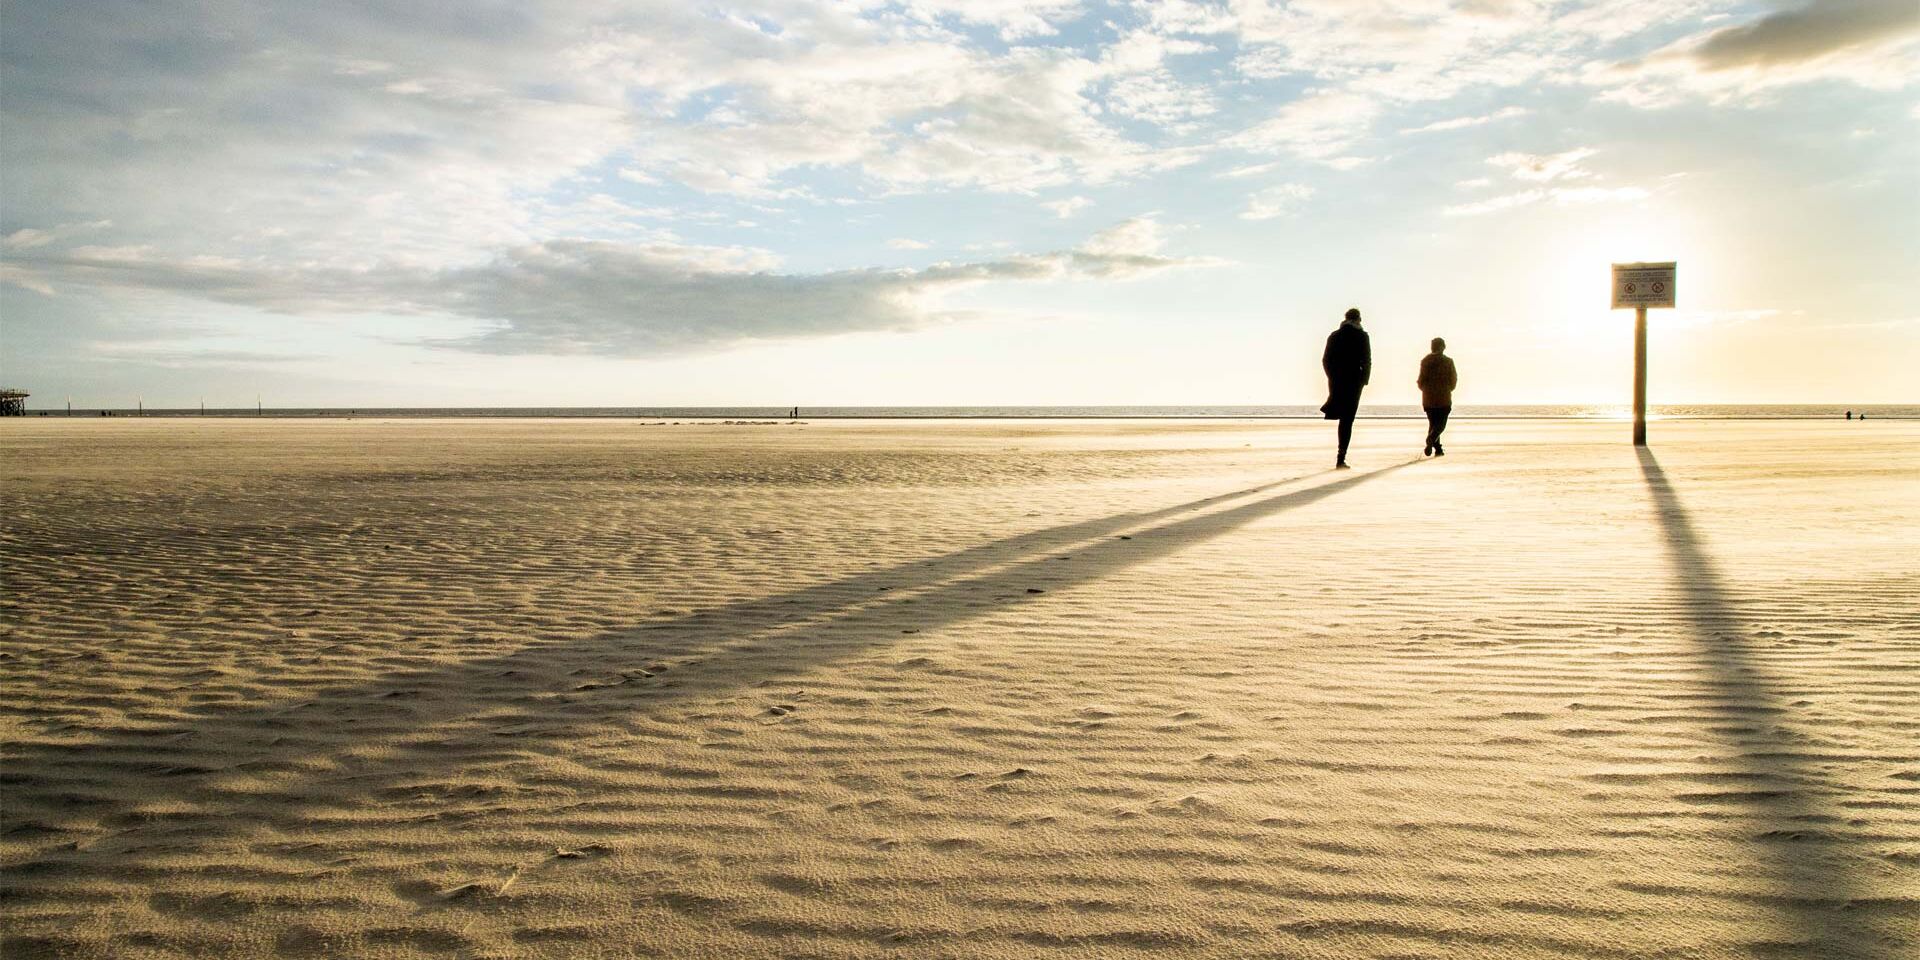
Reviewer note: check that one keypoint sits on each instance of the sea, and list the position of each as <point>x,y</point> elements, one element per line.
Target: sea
<point>1818,411</point>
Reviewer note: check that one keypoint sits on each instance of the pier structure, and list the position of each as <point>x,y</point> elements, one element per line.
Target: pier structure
<point>13,403</point>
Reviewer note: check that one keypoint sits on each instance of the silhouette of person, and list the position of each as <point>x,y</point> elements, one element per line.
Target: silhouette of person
<point>1849,414</point>
<point>1437,380</point>
<point>1348,361</point>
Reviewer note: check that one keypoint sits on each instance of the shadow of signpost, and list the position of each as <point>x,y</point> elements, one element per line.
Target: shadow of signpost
<point>1789,826</point>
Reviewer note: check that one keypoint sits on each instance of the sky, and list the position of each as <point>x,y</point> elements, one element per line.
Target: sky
<point>588,203</point>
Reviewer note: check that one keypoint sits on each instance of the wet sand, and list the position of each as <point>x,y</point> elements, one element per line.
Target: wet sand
<point>958,689</point>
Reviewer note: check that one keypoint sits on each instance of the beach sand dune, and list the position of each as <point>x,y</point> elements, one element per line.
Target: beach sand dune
<point>958,689</point>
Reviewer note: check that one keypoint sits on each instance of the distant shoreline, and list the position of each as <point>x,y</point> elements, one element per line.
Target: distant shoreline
<point>1577,412</point>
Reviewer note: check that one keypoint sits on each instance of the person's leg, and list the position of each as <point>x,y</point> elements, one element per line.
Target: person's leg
<point>1433,430</point>
<point>1439,419</point>
<point>1346,436</point>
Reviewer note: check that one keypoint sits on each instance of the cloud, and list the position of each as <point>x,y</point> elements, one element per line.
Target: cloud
<point>1806,33</point>
<point>1250,170</point>
<point>614,299</point>
<point>1495,204</point>
<point>904,243</point>
<point>1275,201</point>
<point>1872,43</point>
<point>1578,196</point>
<point>387,131</point>
<point>1555,169</point>
<point>1460,123</point>
<point>27,238</point>
<point>1547,167</point>
<point>169,353</point>
<point>1067,207</point>
<point>1558,196</point>
<point>1319,125</point>
<point>1188,16</point>
<point>1398,50</point>
<point>1140,236</point>
<point>1014,19</point>
<point>1158,98</point>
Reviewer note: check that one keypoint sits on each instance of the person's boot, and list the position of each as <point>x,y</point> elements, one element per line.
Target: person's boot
<point>1428,452</point>
<point>1341,464</point>
<point>1439,451</point>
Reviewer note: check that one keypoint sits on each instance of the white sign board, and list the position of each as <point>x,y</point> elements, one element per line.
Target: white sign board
<point>1642,285</point>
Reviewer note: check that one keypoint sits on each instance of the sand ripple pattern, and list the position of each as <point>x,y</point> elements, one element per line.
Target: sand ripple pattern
<point>538,689</point>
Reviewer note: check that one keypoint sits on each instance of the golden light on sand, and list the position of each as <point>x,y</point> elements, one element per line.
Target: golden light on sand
<point>414,688</point>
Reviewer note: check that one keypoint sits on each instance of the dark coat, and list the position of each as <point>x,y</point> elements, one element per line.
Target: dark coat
<point>1437,380</point>
<point>1348,362</point>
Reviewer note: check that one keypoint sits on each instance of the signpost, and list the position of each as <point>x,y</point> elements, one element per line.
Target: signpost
<point>1641,285</point>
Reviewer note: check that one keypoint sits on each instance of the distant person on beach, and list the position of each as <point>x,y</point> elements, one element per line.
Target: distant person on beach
<point>1849,414</point>
<point>1348,361</point>
<point>1437,380</point>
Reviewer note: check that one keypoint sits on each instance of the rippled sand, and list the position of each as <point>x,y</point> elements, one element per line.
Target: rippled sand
<point>521,688</point>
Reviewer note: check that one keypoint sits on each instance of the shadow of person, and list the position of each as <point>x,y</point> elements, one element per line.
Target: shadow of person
<point>1787,809</point>
<point>229,773</point>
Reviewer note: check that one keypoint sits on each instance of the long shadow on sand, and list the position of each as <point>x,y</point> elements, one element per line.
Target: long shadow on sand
<point>304,753</point>
<point>1788,822</point>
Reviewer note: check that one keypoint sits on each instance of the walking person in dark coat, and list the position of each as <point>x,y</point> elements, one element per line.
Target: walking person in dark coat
<point>1348,362</point>
<point>1437,380</point>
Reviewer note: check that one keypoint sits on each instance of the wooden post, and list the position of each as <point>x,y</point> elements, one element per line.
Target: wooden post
<point>1640,376</point>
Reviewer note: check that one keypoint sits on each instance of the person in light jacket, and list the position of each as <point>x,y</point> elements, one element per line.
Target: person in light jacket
<point>1348,361</point>
<point>1437,380</point>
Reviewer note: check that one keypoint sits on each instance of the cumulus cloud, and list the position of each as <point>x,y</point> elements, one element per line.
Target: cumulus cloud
<point>385,155</point>
<point>607,298</point>
<point>384,131</point>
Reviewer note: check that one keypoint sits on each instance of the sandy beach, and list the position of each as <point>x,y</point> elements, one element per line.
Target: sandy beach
<point>967,689</point>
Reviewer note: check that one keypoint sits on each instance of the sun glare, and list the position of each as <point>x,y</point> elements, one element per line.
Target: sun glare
<point>1573,291</point>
